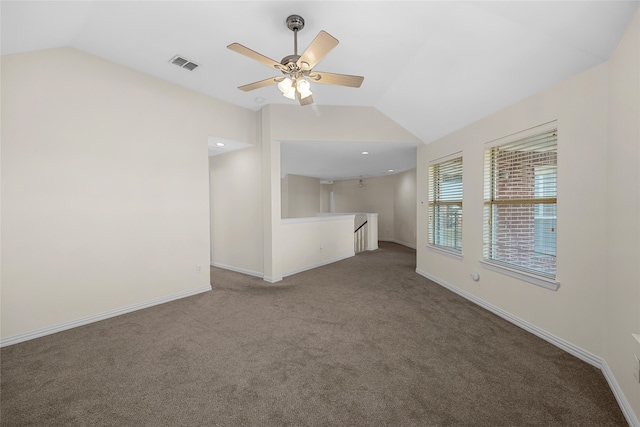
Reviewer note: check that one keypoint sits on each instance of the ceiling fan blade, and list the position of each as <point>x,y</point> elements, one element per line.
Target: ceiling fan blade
<point>336,79</point>
<point>318,49</point>
<point>261,83</point>
<point>243,50</point>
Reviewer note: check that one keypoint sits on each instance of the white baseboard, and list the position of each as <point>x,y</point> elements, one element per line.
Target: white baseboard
<point>238,270</point>
<point>288,273</point>
<point>558,342</point>
<point>247,272</point>
<point>622,400</point>
<point>97,317</point>
<point>409,245</point>
<point>320,264</point>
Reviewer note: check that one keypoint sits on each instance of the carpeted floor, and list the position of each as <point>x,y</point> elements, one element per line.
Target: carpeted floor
<point>362,342</point>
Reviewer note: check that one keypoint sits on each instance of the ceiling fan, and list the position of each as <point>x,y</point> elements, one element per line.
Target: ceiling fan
<point>298,69</point>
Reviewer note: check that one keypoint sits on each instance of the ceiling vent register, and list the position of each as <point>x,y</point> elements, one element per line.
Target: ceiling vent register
<point>183,63</point>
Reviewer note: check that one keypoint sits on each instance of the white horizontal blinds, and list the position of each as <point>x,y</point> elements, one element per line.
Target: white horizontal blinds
<point>445,204</point>
<point>520,203</point>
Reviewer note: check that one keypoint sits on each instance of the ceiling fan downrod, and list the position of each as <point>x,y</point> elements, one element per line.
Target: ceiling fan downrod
<point>295,23</point>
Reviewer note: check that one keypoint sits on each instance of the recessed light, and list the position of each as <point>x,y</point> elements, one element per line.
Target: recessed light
<point>365,152</point>
<point>390,170</point>
<point>220,144</point>
<point>259,100</point>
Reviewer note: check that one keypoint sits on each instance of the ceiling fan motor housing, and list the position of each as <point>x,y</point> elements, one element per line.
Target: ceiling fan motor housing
<point>295,22</point>
<point>291,67</point>
<point>289,59</point>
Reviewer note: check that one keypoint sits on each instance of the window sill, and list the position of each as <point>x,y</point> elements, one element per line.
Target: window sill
<point>531,278</point>
<point>441,251</point>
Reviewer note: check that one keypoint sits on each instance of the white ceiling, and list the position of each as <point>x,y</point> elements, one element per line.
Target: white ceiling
<point>432,66</point>
<point>383,158</point>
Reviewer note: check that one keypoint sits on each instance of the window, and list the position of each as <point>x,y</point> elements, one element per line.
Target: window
<point>520,204</point>
<point>445,205</point>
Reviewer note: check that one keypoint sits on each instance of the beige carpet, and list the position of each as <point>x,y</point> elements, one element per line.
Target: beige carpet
<point>362,342</point>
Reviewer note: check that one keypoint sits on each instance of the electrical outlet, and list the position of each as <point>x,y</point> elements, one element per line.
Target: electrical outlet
<point>198,268</point>
<point>636,368</point>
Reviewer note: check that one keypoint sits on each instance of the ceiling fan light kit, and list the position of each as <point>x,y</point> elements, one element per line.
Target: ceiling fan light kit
<point>291,89</point>
<point>298,69</point>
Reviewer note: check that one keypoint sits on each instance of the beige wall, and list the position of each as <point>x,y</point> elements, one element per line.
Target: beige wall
<point>375,195</point>
<point>104,188</point>
<point>623,213</point>
<point>300,196</point>
<point>236,211</point>
<point>404,208</point>
<point>284,197</point>
<point>393,197</point>
<point>311,242</point>
<point>325,197</point>
<point>271,203</point>
<point>597,305</point>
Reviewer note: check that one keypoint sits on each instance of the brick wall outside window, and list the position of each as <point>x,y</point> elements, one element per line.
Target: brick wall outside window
<point>513,225</point>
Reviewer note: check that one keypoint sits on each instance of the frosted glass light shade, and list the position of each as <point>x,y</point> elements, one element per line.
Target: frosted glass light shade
<point>291,93</point>
<point>285,86</point>
<point>303,86</point>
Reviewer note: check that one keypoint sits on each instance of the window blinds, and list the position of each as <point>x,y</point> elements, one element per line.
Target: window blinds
<point>520,204</point>
<point>445,204</point>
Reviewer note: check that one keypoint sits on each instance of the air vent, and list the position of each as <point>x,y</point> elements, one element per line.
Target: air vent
<point>183,63</point>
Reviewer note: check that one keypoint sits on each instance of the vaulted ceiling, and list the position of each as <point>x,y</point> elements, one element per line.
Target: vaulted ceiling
<point>431,66</point>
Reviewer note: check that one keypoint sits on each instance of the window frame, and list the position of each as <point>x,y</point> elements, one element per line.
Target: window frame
<point>530,275</point>
<point>434,202</point>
